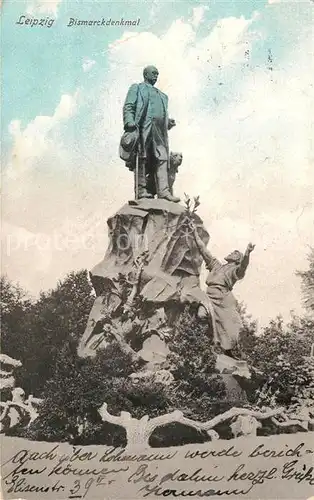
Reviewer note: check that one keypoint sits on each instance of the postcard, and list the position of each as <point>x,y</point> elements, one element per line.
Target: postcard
<point>157,280</point>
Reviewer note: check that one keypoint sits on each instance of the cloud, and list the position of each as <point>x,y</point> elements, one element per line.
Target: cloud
<point>36,140</point>
<point>198,15</point>
<point>229,39</point>
<point>48,7</point>
<point>271,2</point>
<point>184,63</point>
<point>62,249</point>
<point>154,10</point>
<point>88,64</point>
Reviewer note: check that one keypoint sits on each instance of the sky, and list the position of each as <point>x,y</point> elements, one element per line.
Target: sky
<point>239,76</point>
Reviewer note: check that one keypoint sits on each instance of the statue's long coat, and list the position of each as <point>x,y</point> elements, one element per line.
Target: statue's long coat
<point>136,112</point>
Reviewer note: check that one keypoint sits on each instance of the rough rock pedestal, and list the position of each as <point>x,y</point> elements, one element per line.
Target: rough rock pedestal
<point>161,229</point>
<point>152,264</point>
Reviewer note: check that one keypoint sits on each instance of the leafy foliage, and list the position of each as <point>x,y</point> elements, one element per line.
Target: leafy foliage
<point>80,386</point>
<point>14,306</point>
<point>77,389</point>
<point>248,338</point>
<point>35,332</point>
<point>279,355</point>
<point>197,388</point>
<point>307,285</point>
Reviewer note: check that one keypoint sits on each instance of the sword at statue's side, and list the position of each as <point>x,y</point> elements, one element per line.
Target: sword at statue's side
<point>136,174</point>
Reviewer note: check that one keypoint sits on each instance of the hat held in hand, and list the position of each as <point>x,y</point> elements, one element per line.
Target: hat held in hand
<point>128,144</point>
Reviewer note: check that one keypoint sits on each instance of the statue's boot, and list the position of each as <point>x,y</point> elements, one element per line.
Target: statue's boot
<point>142,193</point>
<point>162,183</point>
<point>141,182</point>
<point>170,197</point>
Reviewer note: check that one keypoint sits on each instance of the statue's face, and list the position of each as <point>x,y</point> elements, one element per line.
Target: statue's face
<point>151,75</point>
<point>177,159</point>
<point>234,256</point>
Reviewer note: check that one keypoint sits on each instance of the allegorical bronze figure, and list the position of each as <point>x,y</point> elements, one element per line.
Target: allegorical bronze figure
<point>226,320</point>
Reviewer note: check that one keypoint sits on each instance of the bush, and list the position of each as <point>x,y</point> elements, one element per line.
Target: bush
<point>79,387</point>
<point>281,355</point>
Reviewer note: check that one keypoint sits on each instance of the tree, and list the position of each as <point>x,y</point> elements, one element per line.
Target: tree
<point>35,332</point>
<point>15,304</point>
<point>248,338</point>
<point>307,285</point>
<point>280,357</point>
<point>198,389</point>
<point>79,387</point>
<point>76,389</point>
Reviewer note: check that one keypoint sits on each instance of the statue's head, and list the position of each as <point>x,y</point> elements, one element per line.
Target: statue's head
<point>235,257</point>
<point>175,161</point>
<point>150,74</point>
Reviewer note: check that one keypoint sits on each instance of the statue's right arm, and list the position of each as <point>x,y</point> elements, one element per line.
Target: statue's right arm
<point>129,107</point>
<point>207,256</point>
<point>245,261</point>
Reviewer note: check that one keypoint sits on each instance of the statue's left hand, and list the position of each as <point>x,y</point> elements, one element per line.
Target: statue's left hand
<point>171,123</point>
<point>250,247</point>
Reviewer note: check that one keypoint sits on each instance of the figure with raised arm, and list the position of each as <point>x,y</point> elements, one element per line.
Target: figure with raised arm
<point>220,282</point>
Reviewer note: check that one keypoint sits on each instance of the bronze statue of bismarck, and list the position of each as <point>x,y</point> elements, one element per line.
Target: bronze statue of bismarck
<point>144,145</point>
